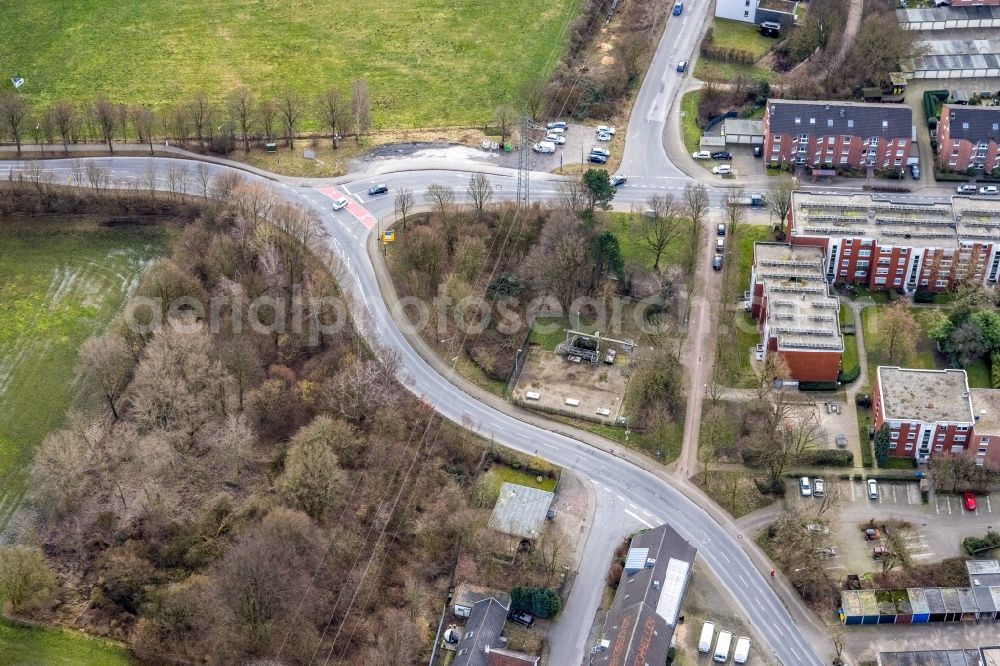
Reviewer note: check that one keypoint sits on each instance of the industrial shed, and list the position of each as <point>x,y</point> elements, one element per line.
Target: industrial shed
<point>949,18</point>
<point>520,510</point>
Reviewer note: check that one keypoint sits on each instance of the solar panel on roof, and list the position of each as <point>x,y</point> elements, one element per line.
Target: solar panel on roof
<point>636,560</point>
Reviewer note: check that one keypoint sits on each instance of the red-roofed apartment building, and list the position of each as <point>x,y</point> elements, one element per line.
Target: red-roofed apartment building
<point>969,137</point>
<point>931,413</point>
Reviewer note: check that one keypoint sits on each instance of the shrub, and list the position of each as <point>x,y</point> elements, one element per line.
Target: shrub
<point>615,575</point>
<point>863,400</point>
<point>827,458</point>
<point>770,487</point>
<point>539,601</point>
<point>848,376</point>
<point>975,546</point>
<point>818,386</point>
<point>922,296</point>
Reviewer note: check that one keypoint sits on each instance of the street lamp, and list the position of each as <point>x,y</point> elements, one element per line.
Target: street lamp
<point>37,128</point>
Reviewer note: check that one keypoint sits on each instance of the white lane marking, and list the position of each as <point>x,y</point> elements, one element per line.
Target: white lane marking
<point>647,513</point>
<point>728,561</point>
<point>989,508</point>
<point>638,518</point>
<point>780,633</point>
<point>620,497</point>
<point>344,187</point>
<point>633,506</point>
<point>606,489</point>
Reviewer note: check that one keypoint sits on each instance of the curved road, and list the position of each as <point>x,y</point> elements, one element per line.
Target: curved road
<point>628,496</point>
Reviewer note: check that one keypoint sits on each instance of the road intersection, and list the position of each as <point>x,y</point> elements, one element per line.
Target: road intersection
<point>631,491</point>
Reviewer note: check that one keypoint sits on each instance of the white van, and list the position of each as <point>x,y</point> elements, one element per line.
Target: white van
<point>544,147</point>
<point>707,632</point>
<point>742,651</point>
<point>721,655</point>
<point>720,245</point>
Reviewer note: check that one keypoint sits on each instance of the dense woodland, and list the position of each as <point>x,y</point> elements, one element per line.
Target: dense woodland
<point>223,494</point>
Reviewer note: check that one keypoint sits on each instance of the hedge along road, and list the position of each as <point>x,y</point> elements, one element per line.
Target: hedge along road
<point>625,487</point>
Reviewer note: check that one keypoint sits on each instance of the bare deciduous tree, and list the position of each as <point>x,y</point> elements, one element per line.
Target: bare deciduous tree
<point>532,95</point>
<point>735,210</point>
<point>14,112</point>
<point>361,107</point>
<point>779,198</point>
<point>268,112</point>
<point>25,578</point>
<point>572,196</point>
<point>660,226</point>
<point>558,262</point>
<point>504,118</point>
<point>61,114</point>
<point>480,193</point>
<point>143,120</point>
<point>59,472</point>
<point>403,203</point>
<point>291,107</point>
<point>334,107</point>
<point>106,116</point>
<point>354,390</point>
<point>201,113</point>
<point>240,104</point>
<point>441,197</point>
<point>104,368</point>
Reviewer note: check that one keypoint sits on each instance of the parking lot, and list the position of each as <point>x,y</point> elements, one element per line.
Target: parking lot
<point>901,493</point>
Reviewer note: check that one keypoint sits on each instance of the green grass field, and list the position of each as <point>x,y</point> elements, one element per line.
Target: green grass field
<point>738,35</point>
<point>21,646</point>
<point>689,121</point>
<point>427,62</point>
<point>60,282</point>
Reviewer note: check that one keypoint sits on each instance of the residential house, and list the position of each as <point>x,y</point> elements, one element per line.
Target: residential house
<point>968,137</point>
<point>466,596</point>
<point>837,134</point>
<point>520,511</point>
<point>481,633</point>
<point>640,623</point>
<point>906,246</point>
<point>757,11</point>
<point>790,299</point>
<point>931,413</point>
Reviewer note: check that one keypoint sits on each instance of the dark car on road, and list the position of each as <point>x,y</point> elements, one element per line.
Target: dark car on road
<point>722,155</point>
<point>618,181</point>
<point>682,66</point>
<point>717,262</point>
<point>381,188</point>
<point>521,618</point>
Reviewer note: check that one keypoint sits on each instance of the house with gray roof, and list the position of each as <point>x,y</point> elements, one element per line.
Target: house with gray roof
<point>641,621</point>
<point>520,511</point>
<point>837,135</point>
<point>968,137</point>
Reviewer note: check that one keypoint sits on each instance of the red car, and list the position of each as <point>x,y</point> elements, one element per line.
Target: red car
<point>969,501</point>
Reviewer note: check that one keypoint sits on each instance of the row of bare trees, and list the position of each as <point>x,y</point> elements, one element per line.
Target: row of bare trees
<point>210,124</point>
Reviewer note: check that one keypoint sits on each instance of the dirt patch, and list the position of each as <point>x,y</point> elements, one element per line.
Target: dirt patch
<point>554,380</point>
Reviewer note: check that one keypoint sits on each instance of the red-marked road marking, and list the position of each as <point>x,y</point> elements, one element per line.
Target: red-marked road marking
<point>353,207</point>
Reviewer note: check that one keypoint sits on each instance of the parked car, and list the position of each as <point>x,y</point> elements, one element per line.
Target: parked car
<point>969,501</point>
<point>872,534</point>
<point>819,487</point>
<point>966,189</point>
<point>682,66</point>
<point>544,147</point>
<point>915,171</point>
<point>556,138</point>
<point>381,188</point>
<point>607,129</point>
<point>603,152</point>
<point>826,552</point>
<point>557,124</point>
<point>722,170</point>
<point>878,552</point>
<point>722,155</point>
<point>872,489</point>
<point>816,528</point>
<point>340,204</point>
<point>758,150</point>
<point>604,136</point>
<point>618,181</point>
<point>521,618</point>
<point>701,155</point>
<point>678,8</point>
<point>805,488</point>
<point>989,189</point>
<point>720,230</point>
<point>610,356</point>
<point>717,262</point>
<point>597,159</point>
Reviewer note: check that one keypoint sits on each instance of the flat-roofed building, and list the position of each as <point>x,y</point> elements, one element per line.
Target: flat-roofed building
<point>798,318</point>
<point>882,244</point>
